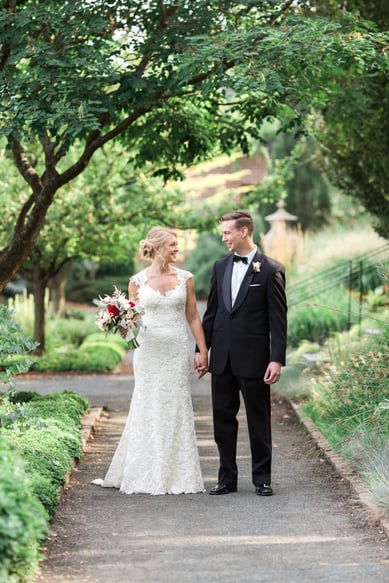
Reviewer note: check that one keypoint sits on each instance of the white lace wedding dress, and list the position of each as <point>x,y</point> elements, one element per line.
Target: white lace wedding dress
<point>157,453</point>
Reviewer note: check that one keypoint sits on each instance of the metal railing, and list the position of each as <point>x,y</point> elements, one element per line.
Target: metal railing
<point>349,274</point>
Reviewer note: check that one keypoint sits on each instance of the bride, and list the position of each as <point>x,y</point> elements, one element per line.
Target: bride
<point>157,452</point>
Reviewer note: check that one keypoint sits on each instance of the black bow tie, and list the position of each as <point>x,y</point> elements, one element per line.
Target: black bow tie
<point>239,258</point>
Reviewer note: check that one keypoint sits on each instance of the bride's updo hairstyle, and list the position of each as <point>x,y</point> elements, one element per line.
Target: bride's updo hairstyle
<point>155,238</point>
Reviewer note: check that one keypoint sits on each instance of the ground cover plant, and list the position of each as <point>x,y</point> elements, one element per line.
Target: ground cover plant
<point>349,402</point>
<point>23,519</point>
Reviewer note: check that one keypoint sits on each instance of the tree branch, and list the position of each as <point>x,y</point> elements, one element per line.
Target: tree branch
<point>9,6</point>
<point>50,157</point>
<point>283,9</point>
<point>164,16</point>
<point>96,142</point>
<point>25,167</point>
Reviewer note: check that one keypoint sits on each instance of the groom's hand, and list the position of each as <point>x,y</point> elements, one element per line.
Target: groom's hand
<point>273,373</point>
<point>200,364</point>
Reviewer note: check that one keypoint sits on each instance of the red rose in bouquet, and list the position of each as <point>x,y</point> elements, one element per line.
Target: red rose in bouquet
<point>117,312</point>
<point>113,311</point>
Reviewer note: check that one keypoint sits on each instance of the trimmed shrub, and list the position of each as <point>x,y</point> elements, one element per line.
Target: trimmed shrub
<point>23,520</point>
<point>65,406</point>
<point>100,357</point>
<point>68,331</point>
<point>94,358</point>
<point>49,442</point>
<point>88,346</point>
<point>102,338</point>
<point>23,396</point>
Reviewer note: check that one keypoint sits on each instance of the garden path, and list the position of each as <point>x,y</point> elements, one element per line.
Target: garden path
<point>311,530</point>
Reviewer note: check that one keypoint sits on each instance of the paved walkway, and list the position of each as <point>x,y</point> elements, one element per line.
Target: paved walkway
<point>310,531</point>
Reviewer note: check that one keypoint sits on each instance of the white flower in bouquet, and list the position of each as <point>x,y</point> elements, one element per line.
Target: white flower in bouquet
<point>117,311</point>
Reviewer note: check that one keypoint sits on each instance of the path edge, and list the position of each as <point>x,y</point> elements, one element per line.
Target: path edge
<point>346,472</point>
<point>88,423</point>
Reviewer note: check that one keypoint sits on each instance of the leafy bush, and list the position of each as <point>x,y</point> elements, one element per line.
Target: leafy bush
<point>13,344</point>
<point>76,345</point>
<point>49,442</point>
<point>67,406</point>
<point>23,396</point>
<point>102,338</point>
<point>23,520</point>
<point>349,392</point>
<point>75,313</point>
<point>96,357</point>
<point>68,331</point>
<point>317,319</point>
<point>14,359</point>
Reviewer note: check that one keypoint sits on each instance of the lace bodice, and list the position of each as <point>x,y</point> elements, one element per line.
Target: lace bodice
<point>164,319</point>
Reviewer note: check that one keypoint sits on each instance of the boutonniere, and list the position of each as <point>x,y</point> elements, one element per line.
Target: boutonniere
<point>257,266</point>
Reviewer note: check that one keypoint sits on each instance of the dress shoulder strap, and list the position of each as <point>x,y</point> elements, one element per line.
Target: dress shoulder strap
<point>183,275</point>
<point>139,278</point>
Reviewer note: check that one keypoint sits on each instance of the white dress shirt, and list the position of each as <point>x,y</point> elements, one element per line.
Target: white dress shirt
<point>239,270</point>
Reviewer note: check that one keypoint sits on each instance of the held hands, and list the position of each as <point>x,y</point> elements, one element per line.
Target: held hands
<point>201,363</point>
<point>273,373</point>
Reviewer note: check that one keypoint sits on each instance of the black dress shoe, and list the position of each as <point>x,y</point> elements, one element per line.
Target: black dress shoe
<point>264,490</point>
<point>220,489</point>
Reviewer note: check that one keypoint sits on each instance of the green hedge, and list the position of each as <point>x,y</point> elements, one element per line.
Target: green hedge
<point>36,453</point>
<point>48,440</point>
<point>23,519</point>
<point>102,338</point>
<point>71,345</point>
<point>95,357</point>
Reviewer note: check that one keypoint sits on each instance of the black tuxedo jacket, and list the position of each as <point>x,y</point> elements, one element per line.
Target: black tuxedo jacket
<point>253,332</point>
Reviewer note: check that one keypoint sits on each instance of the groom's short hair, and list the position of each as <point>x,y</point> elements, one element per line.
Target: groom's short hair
<point>242,218</point>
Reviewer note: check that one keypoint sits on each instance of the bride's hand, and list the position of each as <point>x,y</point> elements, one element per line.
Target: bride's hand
<point>122,332</point>
<point>201,364</point>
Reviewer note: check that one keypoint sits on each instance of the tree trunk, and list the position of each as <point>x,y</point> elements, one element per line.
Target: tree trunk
<point>57,286</point>
<point>24,236</point>
<point>39,283</point>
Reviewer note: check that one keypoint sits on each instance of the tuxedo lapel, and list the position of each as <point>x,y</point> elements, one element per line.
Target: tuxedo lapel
<point>246,282</point>
<point>226,284</point>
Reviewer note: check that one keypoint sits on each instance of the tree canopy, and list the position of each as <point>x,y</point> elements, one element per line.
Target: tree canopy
<point>354,128</point>
<point>173,81</point>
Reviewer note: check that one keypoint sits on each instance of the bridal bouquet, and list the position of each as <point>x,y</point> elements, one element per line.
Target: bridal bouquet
<point>116,312</point>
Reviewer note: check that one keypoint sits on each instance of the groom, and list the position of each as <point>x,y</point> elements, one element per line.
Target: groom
<point>245,327</point>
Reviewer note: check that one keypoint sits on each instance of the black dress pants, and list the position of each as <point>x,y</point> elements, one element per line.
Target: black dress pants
<point>226,390</point>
